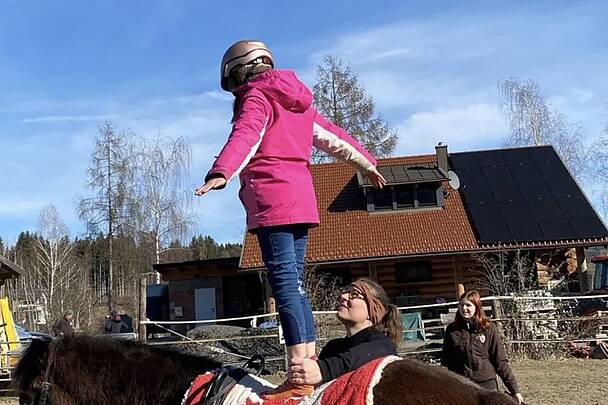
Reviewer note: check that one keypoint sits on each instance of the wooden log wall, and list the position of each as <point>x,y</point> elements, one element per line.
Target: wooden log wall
<point>447,273</point>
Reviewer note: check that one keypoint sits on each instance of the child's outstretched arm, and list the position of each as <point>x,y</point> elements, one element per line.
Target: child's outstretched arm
<point>244,140</point>
<point>332,139</point>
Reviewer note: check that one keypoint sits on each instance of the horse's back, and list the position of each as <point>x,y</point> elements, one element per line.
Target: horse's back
<point>410,382</point>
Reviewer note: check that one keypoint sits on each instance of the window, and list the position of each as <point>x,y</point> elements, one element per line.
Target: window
<point>412,272</point>
<point>405,196</point>
<point>383,199</point>
<point>427,196</point>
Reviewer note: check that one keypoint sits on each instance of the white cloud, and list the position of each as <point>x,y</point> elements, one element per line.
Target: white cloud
<point>10,205</point>
<point>66,118</point>
<point>469,127</point>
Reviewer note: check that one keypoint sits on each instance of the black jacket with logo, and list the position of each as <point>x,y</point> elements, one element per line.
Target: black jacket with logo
<point>477,354</point>
<point>339,356</point>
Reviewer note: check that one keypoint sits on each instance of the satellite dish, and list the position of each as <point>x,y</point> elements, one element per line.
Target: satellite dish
<point>453,180</point>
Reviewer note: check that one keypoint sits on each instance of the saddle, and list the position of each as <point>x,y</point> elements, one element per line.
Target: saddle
<point>225,378</point>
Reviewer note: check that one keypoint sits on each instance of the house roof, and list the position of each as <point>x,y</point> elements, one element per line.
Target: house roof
<point>406,174</point>
<point>348,232</point>
<point>219,263</point>
<point>9,269</point>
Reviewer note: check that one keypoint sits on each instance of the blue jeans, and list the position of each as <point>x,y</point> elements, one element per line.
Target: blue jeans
<point>283,250</point>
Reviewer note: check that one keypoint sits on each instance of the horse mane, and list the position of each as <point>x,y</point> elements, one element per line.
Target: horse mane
<point>32,361</point>
<point>96,368</point>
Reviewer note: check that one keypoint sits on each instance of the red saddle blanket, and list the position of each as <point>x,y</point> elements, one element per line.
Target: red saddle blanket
<point>354,388</point>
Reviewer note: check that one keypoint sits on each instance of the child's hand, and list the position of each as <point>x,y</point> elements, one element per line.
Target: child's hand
<point>216,182</point>
<point>375,177</point>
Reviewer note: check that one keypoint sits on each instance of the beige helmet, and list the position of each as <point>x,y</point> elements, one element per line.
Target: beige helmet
<point>242,53</point>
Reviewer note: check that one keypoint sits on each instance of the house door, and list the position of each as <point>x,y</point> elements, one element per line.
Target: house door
<point>204,303</point>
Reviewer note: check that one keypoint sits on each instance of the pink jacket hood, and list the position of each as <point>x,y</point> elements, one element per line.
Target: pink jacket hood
<point>284,87</point>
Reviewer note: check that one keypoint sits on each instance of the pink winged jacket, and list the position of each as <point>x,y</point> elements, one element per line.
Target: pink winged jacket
<point>270,146</point>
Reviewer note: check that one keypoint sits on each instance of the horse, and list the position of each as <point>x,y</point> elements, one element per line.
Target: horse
<point>89,370</point>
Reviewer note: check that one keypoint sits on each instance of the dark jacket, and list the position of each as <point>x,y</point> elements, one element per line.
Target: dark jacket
<point>476,354</point>
<point>115,326</point>
<point>339,356</point>
<point>62,327</point>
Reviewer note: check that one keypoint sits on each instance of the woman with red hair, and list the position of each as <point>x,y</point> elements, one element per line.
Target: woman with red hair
<point>472,347</point>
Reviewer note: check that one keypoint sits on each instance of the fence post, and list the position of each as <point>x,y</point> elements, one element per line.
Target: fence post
<point>498,314</point>
<point>142,309</point>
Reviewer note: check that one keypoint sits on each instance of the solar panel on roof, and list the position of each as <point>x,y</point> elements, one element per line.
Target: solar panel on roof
<point>513,207</point>
<point>524,195</point>
<point>544,207</point>
<point>574,204</point>
<point>556,228</point>
<point>523,228</point>
<point>517,157</point>
<point>529,180</point>
<point>587,226</point>
<point>489,223</point>
<point>501,183</point>
<point>543,154</point>
<point>491,158</point>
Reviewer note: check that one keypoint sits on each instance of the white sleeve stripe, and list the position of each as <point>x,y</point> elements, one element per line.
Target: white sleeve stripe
<point>252,152</point>
<point>337,147</point>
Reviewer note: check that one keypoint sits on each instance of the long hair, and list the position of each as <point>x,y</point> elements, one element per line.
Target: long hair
<point>480,319</point>
<point>241,75</point>
<point>391,322</point>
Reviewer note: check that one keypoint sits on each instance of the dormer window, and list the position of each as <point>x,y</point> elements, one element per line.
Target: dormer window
<point>405,197</point>
<point>408,187</point>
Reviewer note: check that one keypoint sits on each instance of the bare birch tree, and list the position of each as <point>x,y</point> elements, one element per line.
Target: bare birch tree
<point>163,198</point>
<point>598,162</point>
<point>56,271</point>
<point>340,97</point>
<point>533,121</point>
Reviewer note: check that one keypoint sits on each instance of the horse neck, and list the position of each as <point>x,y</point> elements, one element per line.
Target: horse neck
<point>59,396</point>
<point>92,385</point>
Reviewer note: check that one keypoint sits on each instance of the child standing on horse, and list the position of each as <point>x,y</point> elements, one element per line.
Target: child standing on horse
<point>274,129</point>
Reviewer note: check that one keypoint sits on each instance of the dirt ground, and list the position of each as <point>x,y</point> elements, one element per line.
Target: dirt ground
<point>556,382</point>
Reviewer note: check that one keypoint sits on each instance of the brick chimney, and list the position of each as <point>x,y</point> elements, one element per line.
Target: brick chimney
<point>442,157</point>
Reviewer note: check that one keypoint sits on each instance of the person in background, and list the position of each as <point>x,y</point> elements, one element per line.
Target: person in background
<point>373,330</point>
<point>63,326</point>
<point>269,148</point>
<point>114,324</point>
<point>472,347</point>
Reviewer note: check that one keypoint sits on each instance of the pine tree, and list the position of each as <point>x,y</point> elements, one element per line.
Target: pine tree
<point>340,97</point>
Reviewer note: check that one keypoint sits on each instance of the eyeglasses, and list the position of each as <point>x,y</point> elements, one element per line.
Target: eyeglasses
<point>352,293</point>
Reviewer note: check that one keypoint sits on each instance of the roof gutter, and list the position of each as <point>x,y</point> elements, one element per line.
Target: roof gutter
<point>484,249</point>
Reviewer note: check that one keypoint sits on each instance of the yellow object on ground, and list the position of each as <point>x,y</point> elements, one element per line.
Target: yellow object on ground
<point>9,341</point>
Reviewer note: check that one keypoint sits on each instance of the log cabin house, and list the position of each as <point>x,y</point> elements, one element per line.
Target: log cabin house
<point>421,236</point>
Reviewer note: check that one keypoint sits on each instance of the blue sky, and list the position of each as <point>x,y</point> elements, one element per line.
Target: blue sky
<point>152,67</point>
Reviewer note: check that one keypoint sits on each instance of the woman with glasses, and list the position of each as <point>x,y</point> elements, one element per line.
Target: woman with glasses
<point>373,330</point>
<point>472,347</point>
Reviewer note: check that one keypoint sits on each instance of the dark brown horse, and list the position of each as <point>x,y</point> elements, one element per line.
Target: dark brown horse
<point>101,371</point>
